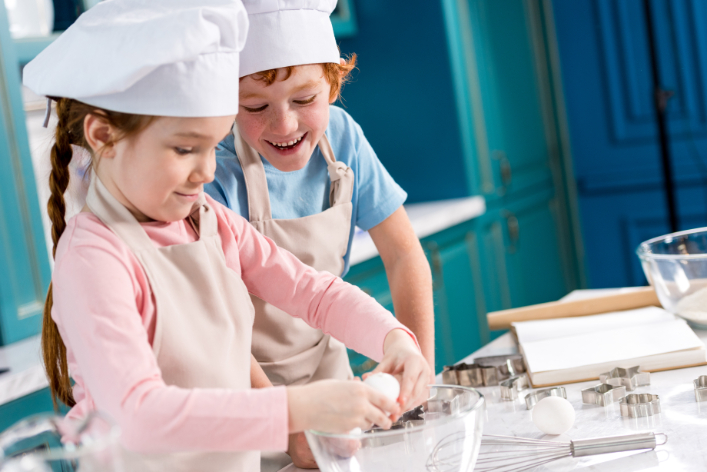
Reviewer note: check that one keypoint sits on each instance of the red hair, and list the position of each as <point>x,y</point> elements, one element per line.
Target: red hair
<point>335,74</point>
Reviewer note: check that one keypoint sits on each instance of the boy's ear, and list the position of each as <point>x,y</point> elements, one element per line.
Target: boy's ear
<point>99,135</point>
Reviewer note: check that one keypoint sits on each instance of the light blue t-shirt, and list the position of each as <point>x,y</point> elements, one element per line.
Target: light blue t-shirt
<point>306,191</point>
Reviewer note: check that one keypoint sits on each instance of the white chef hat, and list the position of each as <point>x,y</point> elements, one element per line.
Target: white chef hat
<point>156,57</point>
<point>288,33</point>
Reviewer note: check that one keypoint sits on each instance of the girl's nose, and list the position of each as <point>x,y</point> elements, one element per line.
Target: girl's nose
<point>205,169</point>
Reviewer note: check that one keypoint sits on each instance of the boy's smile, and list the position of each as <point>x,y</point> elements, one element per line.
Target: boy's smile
<point>285,121</point>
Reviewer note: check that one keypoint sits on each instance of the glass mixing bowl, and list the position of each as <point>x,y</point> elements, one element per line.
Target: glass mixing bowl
<point>676,266</point>
<point>49,443</point>
<point>441,435</point>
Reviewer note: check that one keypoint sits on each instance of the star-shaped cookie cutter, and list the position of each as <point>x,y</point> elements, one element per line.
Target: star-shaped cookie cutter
<point>701,388</point>
<point>511,387</point>
<point>485,371</point>
<point>637,405</point>
<point>630,378</point>
<point>603,394</point>
<point>536,395</point>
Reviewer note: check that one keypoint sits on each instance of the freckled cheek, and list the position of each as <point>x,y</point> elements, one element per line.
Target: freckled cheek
<point>315,118</point>
<point>252,127</point>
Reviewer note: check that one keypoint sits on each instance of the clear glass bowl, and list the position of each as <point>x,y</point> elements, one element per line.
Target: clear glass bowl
<point>676,266</point>
<point>442,435</point>
<point>49,443</point>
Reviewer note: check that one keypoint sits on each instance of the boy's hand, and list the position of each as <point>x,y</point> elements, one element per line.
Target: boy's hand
<point>300,452</point>
<point>403,359</point>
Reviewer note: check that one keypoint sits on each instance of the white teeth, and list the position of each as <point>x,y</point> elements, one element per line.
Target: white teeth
<point>290,143</point>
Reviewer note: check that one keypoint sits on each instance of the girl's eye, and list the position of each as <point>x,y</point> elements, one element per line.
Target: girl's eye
<point>182,151</point>
<point>254,110</point>
<point>307,101</point>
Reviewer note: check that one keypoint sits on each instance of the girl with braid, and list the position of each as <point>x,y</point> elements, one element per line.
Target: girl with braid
<point>149,310</point>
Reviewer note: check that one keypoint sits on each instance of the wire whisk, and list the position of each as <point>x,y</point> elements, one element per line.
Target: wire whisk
<point>513,454</point>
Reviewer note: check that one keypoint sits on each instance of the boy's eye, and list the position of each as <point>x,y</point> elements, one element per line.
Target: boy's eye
<point>182,151</point>
<point>307,101</point>
<point>254,110</point>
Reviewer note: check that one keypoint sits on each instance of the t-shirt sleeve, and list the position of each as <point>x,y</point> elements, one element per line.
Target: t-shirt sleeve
<point>377,195</point>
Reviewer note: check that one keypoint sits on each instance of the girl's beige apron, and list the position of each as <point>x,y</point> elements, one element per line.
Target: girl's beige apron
<point>289,350</point>
<point>204,319</point>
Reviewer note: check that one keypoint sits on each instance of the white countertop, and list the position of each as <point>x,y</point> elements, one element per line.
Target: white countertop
<point>26,374</point>
<point>427,218</point>
<point>682,419</point>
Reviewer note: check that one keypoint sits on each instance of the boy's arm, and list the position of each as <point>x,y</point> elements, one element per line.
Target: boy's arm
<point>409,278</point>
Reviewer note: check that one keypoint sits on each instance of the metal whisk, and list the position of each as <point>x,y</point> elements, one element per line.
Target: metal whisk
<point>512,454</point>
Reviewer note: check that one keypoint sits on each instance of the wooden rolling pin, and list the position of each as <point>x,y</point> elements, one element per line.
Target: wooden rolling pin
<point>591,306</point>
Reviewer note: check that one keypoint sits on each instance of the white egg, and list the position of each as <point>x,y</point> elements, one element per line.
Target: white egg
<point>553,415</point>
<point>384,383</point>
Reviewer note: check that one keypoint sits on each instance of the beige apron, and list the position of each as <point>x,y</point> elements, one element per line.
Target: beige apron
<point>288,349</point>
<point>204,319</point>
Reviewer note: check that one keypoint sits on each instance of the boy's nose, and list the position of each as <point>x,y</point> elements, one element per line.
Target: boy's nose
<point>284,123</point>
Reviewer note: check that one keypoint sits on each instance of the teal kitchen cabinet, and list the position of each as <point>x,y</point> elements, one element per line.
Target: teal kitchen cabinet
<point>23,255</point>
<point>460,313</point>
<point>523,263</point>
<point>32,404</point>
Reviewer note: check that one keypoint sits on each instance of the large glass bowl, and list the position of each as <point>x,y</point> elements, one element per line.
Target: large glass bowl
<point>676,266</point>
<point>49,443</point>
<point>442,435</point>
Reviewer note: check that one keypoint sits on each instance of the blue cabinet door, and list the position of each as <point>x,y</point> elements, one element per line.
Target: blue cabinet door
<point>606,73</point>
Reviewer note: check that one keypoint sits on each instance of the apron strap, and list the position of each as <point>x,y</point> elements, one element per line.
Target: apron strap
<point>115,216</point>
<point>341,175</point>
<point>256,182</point>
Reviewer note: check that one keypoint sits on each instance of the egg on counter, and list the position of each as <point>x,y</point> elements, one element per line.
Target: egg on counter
<point>553,415</point>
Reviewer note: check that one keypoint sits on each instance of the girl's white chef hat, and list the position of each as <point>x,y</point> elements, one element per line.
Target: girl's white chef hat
<point>288,33</point>
<point>148,57</point>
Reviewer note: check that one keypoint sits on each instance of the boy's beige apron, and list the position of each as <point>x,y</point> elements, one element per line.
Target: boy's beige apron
<point>203,325</point>
<point>288,349</point>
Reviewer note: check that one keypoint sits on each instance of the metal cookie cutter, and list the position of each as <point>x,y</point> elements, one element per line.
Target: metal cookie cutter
<point>701,388</point>
<point>603,394</point>
<point>485,371</point>
<point>630,378</point>
<point>637,405</point>
<point>535,396</point>
<point>511,387</point>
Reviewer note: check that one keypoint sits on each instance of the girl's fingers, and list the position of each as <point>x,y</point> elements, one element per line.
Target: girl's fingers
<point>383,402</point>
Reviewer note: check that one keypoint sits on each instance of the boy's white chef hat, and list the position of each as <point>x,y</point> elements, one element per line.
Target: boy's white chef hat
<point>288,33</point>
<point>148,57</point>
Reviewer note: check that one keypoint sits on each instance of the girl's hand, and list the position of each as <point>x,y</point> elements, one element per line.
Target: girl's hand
<point>338,406</point>
<point>402,358</point>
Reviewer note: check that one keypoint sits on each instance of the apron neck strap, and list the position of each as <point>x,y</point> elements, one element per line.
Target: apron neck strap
<point>256,182</point>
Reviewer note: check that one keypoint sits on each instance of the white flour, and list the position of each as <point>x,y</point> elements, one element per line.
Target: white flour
<point>694,306</point>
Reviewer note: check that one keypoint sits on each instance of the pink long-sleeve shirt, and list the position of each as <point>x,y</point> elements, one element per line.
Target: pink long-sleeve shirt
<point>105,312</point>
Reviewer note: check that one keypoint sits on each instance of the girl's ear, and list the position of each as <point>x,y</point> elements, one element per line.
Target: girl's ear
<point>99,135</point>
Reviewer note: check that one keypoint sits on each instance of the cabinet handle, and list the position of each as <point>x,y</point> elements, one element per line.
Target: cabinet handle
<point>506,174</point>
<point>513,231</point>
